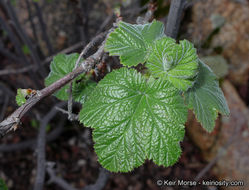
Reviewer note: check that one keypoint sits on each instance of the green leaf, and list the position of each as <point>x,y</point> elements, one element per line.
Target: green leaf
<point>3,186</point>
<point>177,63</point>
<point>206,98</point>
<point>133,42</point>
<point>20,97</point>
<point>82,90</point>
<point>134,119</point>
<point>61,65</point>
<point>25,49</point>
<point>218,65</point>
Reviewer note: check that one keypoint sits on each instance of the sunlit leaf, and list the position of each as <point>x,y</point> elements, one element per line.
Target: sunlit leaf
<point>177,63</point>
<point>133,42</point>
<point>135,119</point>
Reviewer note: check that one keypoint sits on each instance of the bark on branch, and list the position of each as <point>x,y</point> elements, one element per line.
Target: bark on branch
<point>174,17</point>
<point>12,121</point>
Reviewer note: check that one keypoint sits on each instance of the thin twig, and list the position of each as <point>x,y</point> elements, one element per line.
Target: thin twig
<point>174,18</point>
<point>95,41</point>
<point>100,182</point>
<point>70,91</point>
<point>98,185</point>
<point>82,54</point>
<point>7,90</point>
<point>41,144</point>
<point>31,144</point>
<point>43,28</point>
<point>32,24</point>
<point>14,40</point>
<point>46,61</point>
<point>84,9</point>
<point>70,102</point>
<point>105,23</point>
<point>148,15</point>
<point>15,71</point>
<point>91,44</point>
<point>18,48</point>
<point>5,104</point>
<point>7,53</point>
<point>57,180</point>
<point>12,122</point>
<point>135,10</point>
<point>14,21</point>
<point>74,116</point>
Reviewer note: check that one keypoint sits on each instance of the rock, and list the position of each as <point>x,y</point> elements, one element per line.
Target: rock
<point>204,140</point>
<point>234,133</point>
<point>230,137</point>
<point>232,20</point>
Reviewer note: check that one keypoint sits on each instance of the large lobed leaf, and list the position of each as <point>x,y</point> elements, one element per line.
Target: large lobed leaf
<point>61,65</point>
<point>135,119</point>
<point>133,42</point>
<point>177,63</point>
<point>206,98</point>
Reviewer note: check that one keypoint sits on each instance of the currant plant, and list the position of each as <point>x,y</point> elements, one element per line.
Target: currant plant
<point>60,66</point>
<point>135,117</point>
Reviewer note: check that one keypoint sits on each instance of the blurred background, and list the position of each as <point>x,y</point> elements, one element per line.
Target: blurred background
<point>33,31</point>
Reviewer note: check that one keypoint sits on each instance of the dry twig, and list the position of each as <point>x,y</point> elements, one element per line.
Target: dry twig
<point>12,121</point>
<point>41,144</point>
<point>98,185</point>
<point>174,18</point>
<point>31,143</point>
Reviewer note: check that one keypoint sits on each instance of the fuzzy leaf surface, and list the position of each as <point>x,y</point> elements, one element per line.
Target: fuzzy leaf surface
<point>206,98</point>
<point>133,42</point>
<point>135,119</point>
<point>177,63</point>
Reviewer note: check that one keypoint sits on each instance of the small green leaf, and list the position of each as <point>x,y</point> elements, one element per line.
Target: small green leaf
<point>61,65</point>
<point>3,186</point>
<point>25,49</point>
<point>82,90</point>
<point>134,119</point>
<point>20,97</point>
<point>177,63</point>
<point>206,98</point>
<point>133,42</point>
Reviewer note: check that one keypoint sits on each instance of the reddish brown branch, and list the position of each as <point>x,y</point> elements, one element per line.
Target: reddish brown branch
<point>12,121</point>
